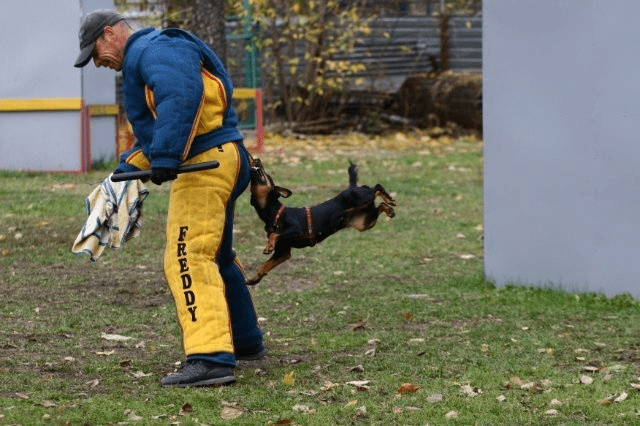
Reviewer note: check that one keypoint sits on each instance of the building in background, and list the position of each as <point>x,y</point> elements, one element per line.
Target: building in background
<point>53,117</point>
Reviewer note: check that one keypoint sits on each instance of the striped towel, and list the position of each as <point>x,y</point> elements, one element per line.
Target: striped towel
<point>114,210</point>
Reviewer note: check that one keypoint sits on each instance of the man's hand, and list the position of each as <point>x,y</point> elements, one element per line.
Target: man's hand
<point>162,174</point>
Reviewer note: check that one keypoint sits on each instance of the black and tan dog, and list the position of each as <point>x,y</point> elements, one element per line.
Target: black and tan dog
<point>300,227</point>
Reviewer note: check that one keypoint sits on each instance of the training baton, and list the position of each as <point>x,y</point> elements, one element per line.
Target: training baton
<point>145,174</point>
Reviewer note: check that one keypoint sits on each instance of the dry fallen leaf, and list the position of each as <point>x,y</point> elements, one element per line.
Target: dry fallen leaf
<point>517,381</point>
<point>361,324</point>
<point>131,416</point>
<point>586,380</point>
<point>350,403</point>
<point>434,398</point>
<point>186,408</point>
<point>407,388</point>
<point>229,413</point>
<point>328,385</point>
<point>115,337</point>
<point>360,384</point>
<point>622,397</point>
<point>288,379</point>
<point>470,391</point>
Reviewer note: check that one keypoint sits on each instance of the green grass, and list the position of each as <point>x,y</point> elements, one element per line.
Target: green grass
<point>405,302</point>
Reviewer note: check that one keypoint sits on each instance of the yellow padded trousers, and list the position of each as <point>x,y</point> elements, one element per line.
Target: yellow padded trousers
<point>214,308</point>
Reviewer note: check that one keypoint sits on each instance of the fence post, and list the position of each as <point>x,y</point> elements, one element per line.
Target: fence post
<point>444,41</point>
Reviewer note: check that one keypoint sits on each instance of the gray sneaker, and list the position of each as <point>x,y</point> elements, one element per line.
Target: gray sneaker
<point>252,353</point>
<point>200,373</point>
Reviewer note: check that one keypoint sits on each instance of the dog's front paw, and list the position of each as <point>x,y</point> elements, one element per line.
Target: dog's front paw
<point>271,243</point>
<point>253,280</point>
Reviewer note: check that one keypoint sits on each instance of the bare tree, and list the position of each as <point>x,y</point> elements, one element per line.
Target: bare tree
<point>208,23</point>
<point>204,18</point>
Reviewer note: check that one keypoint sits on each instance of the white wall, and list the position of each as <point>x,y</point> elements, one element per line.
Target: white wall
<point>37,62</point>
<point>39,45</point>
<point>99,87</point>
<point>561,123</point>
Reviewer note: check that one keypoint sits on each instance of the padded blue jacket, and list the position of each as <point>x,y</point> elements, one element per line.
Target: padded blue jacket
<point>177,95</point>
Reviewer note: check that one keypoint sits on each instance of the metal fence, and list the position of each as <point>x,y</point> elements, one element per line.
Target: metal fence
<point>397,48</point>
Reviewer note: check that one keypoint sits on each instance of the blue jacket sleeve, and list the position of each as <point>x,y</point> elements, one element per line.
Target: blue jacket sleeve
<point>171,68</point>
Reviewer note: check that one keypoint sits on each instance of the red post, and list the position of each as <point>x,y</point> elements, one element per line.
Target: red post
<point>259,122</point>
<point>85,138</point>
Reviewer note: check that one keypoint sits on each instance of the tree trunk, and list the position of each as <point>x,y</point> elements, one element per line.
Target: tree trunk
<point>208,23</point>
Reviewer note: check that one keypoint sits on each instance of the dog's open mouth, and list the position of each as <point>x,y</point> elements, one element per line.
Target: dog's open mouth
<point>258,174</point>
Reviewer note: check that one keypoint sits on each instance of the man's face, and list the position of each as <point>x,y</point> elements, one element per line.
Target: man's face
<point>109,50</point>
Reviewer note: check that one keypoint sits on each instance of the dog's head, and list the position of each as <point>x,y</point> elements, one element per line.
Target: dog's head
<point>263,190</point>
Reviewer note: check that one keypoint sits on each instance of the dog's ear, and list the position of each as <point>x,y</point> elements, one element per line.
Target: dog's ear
<point>283,192</point>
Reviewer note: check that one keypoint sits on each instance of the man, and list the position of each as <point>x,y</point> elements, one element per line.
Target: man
<point>177,95</point>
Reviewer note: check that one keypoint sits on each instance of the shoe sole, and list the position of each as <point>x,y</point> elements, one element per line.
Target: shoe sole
<point>218,381</point>
<point>254,357</point>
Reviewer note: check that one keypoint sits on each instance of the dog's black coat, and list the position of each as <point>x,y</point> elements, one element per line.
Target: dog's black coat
<point>288,227</point>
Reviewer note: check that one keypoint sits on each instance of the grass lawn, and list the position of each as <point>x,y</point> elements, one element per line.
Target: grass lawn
<point>395,325</point>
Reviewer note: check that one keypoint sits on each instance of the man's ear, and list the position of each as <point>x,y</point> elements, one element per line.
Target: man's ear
<point>108,32</point>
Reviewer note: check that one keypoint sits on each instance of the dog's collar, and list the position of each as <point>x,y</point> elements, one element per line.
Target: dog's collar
<point>310,224</point>
<point>277,218</point>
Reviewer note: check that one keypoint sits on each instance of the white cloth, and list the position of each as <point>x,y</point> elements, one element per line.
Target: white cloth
<point>114,210</point>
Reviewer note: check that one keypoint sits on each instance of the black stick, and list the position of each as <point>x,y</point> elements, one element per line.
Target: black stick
<point>147,173</point>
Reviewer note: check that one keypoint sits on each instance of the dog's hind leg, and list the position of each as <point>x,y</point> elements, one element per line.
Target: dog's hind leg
<point>381,192</point>
<point>386,208</point>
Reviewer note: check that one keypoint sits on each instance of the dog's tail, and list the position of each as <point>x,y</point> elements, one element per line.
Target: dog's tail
<point>353,174</point>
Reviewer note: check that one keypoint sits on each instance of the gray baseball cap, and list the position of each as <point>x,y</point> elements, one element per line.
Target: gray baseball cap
<point>91,29</point>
